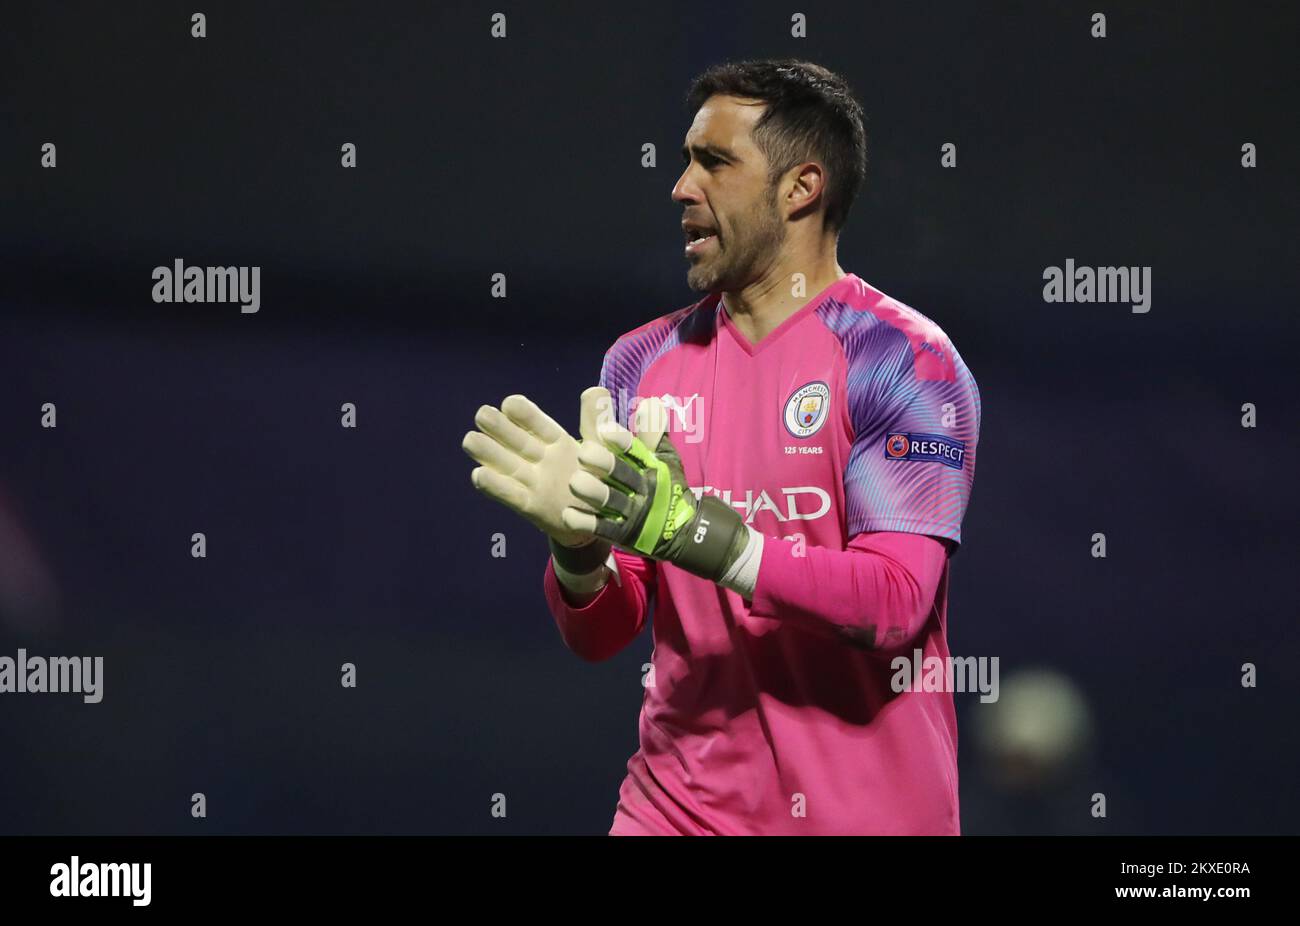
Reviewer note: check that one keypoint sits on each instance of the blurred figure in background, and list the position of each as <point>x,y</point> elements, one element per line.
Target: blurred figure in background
<point>1034,755</point>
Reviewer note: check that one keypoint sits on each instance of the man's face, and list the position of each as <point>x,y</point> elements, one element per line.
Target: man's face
<point>732,228</point>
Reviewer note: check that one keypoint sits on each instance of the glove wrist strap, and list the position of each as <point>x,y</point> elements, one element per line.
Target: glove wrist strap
<point>581,560</point>
<point>712,541</point>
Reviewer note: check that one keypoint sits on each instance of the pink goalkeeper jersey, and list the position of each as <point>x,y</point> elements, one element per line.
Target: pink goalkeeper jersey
<point>856,415</point>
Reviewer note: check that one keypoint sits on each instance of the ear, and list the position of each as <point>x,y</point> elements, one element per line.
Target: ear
<point>808,187</point>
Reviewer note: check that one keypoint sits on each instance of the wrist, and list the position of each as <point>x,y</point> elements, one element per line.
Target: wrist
<point>581,571</point>
<point>580,560</point>
<point>712,541</point>
<point>742,576</point>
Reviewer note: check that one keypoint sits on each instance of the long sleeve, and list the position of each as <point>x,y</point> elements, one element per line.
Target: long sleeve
<point>878,593</point>
<point>611,620</point>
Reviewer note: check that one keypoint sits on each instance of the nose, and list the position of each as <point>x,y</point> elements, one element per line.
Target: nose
<point>685,190</point>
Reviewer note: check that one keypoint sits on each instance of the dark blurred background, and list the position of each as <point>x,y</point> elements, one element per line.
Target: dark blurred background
<point>522,156</point>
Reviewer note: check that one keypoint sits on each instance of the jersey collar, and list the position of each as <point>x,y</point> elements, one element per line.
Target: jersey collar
<point>837,288</point>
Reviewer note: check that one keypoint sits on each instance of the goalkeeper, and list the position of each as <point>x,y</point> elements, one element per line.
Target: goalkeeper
<point>783,477</point>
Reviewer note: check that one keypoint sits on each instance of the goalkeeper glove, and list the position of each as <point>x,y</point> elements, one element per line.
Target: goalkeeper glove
<point>640,500</point>
<point>527,461</point>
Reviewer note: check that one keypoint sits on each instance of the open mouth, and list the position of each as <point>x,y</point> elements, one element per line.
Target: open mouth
<point>699,238</point>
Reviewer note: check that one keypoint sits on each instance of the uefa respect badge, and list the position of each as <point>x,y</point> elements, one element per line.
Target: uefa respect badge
<point>933,448</point>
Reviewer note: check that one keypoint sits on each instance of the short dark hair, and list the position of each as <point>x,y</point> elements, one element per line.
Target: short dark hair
<point>811,115</point>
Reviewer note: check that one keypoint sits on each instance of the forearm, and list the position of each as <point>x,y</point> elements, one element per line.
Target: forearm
<point>878,593</point>
<point>598,624</point>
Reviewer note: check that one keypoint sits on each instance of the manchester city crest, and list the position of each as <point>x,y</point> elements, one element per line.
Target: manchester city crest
<point>807,408</point>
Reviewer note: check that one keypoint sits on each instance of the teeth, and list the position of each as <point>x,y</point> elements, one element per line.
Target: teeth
<point>698,237</point>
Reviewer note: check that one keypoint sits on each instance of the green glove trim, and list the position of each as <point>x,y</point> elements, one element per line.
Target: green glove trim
<point>662,519</point>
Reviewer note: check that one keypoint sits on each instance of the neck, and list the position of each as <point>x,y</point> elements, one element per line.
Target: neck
<point>762,305</point>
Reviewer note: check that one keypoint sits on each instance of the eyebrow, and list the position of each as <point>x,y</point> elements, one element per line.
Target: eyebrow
<point>725,154</point>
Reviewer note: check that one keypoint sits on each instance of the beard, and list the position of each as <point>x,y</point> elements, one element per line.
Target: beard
<point>752,244</point>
